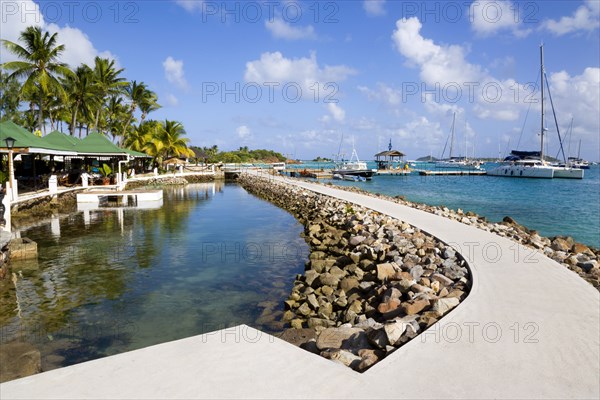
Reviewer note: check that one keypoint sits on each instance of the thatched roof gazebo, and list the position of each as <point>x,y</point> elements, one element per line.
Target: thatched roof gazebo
<point>386,159</point>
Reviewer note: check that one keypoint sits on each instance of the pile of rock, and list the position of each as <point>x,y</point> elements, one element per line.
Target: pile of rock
<point>372,282</point>
<point>579,258</point>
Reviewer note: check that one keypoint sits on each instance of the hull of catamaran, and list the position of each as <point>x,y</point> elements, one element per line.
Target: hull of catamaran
<point>522,171</point>
<point>568,173</point>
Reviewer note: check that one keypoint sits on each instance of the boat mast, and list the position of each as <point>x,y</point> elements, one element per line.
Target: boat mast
<point>579,151</point>
<point>452,135</point>
<point>542,95</point>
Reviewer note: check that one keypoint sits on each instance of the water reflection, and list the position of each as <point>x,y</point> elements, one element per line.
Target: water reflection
<point>112,280</point>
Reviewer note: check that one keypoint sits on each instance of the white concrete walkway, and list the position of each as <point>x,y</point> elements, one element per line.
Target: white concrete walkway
<point>529,329</point>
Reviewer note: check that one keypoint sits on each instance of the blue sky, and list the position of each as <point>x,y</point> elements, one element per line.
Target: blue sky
<point>294,76</point>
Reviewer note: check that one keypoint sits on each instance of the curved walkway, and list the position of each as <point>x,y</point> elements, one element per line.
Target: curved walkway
<point>530,328</point>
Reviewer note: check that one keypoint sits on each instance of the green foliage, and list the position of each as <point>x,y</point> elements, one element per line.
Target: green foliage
<point>242,155</point>
<point>3,178</point>
<point>322,159</point>
<point>105,170</point>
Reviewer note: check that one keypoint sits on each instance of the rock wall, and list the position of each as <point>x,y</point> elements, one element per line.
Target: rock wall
<point>169,180</point>
<point>579,258</point>
<point>372,282</point>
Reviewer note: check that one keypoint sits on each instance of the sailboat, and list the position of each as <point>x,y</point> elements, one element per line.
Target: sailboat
<point>531,164</point>
<point>455,162</point>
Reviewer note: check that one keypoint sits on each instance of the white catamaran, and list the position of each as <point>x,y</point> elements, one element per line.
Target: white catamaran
<point>523,164</point>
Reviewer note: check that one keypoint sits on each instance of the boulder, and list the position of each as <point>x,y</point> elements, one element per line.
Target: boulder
<point>442,306</point>
<point>442,279</point>
<point>342,338</point>
<point>343,357</point>
<point>412,307</point>
<point>385,272</point>
<point>298,337</point>
<point>560,244</point>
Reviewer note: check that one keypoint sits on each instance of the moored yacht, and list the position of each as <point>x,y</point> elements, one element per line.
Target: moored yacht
<point>532,164</point>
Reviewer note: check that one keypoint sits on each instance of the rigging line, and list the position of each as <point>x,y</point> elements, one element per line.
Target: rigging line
<point>555,120</point>
<point>527,114</point>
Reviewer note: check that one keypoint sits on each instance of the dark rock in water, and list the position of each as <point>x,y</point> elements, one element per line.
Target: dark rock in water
<point>298,336</point>
<point>18,360</point>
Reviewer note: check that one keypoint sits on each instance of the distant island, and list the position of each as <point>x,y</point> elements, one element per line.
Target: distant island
<point>242,155</point>
<point>426,158</point>
<point>322,159</point>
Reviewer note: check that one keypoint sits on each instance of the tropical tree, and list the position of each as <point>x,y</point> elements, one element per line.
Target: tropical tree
<point>136,93</point>
<point>170,134</point>
<point>39,65</point>
<point>83,95</point>
<point>107,81</point>
<point>148,104</point>
<point>141,136</point>
<point>9,97</point>
<point>116,116</point>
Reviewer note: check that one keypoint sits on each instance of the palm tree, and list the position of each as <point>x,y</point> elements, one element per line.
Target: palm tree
<point>141,136</point>
<point>107,81</point>
<point>170,135</point>
<point>83,95</point>
<point>167,140</point>
<point>137,94</point>
<point>117,114</point>
<point>148,104</point>
<point>39,65</point>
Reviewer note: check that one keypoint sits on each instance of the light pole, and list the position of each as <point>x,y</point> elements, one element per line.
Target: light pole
<point>10,143</point>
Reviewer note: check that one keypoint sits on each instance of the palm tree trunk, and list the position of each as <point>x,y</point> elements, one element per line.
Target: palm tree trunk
<point>126,125</point>
<point>97,118</point>
<point>73,122</point>
<point>41,110</point>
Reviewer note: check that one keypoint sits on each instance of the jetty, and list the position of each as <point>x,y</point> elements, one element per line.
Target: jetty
<point>530,328</point>
<point>467,172</point>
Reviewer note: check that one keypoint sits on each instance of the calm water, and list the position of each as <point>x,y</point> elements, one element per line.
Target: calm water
<point>551,206</point>
<point>111,281</point>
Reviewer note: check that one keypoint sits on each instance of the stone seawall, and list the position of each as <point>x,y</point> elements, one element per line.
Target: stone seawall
<point>169,180</point>
<point>371,284</point>
<point>577,257</point>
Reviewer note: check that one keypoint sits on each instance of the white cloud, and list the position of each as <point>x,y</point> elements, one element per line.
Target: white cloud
<point>337,112</point>
<point>174,72</point>
<point>374,7</point>
<point>191,5</point>
<point>243,132</point>
<point>429,134</point>
<point>578,97</point>
<point>446,72</point>
<point>172,100</point>
<point>274,68</point>
<point>78,47</point>
<point>281,29</point>
<point>585,18</point>
<point>388,95</point>
<point>439,64</point>
<point>489,17</point>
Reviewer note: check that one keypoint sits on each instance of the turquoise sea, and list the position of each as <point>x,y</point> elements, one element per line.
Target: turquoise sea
<point>568,207</point>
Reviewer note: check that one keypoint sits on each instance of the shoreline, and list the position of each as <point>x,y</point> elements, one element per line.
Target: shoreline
<point>580,258</point>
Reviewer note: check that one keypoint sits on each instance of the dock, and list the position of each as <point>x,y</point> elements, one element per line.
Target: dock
<point>394,172</point>
<point>451,173</point>
<point>127,198</point>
